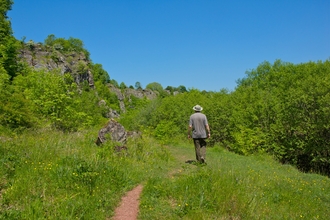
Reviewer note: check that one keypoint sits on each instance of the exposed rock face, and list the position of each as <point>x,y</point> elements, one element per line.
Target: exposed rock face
<point>113,131</point>
<point>141,93</point>
<point>76,64</point>
<point>112,114</point>
<point>43,57</point>
<point>128,93</point>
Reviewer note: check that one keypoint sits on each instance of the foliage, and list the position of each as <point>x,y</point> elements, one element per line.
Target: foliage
<point>131,119</point>
<point>180,89</point>
<point>82,68</point>
<point>43,172</point>
<point>114,83</point>
<point>69,45</point>
<point>284,108</point>
<point>15,112</point>
<point>5,30</point>
<point>281,108</point>
<point>47,174</point>
<point>109,97</point>
<point>122,85</point>
<point>54,98</point>
<point>32,98</point>
<point>155,87</point>
<point>99,74</point>
<point>161,132</point>
<point>219,114</point>
<point>158,88</point>
<point>233,187</point>
<point>166,120</point>
<point>8,44</point>
<point>8,55</point>
<point>138,85</point>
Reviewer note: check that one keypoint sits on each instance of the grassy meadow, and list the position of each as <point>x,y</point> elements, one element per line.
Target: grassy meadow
<point>53,175</point>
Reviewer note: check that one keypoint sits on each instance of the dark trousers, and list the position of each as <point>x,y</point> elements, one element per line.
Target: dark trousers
<point>200,149</point>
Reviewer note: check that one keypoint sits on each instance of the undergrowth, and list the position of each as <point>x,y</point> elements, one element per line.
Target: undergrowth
<point>53,175</point>
<point>234,187</point>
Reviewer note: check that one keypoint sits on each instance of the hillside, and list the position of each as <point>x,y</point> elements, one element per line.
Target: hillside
<point>78,65</point>
<point>51,174</point>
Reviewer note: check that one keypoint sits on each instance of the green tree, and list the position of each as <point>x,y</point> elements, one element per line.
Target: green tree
<point>182,88</point>
<point>72,44</point>
<point>50,40</point>
<point>8,44</point>
<point>281,108</point>
<point>5,30</point>
<point>122,85</point>
<point>114,83</point>
<point>100,74</point>
<point>138,85</point>
<point>155,87</point>
<point>169,88</point>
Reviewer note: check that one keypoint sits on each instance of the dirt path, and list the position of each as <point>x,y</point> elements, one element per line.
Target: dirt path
<point>129,206</point>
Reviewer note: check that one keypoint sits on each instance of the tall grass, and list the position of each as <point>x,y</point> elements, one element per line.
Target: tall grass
<point>235,187</point>
<point>53,175</point>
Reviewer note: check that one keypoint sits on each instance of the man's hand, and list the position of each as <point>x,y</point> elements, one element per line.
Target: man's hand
<point>189,131</point>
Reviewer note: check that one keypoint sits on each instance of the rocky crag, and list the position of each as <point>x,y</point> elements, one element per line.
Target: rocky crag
<point>127,93</point>
<point>43,57</point>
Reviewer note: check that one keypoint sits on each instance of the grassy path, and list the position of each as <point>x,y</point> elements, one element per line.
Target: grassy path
<point>231,186</point>
<point>128,208</point>
<point>48,175</point>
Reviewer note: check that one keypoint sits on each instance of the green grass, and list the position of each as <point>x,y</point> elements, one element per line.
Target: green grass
<point>234,187</point>
<point>53,175</point>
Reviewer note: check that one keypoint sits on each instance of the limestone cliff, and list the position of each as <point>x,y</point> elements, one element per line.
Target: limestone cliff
<point>44,57</point>
<point>128,92</point>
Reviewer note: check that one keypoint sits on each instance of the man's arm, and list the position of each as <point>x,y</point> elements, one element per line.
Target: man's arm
<point>208,130</point>
<point>189,131</point>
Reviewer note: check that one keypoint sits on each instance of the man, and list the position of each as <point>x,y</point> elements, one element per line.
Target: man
<point>200,131</point>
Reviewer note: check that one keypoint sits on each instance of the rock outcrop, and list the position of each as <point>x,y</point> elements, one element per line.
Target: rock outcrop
<point>113,131</point>
<point>43,57</point>
<point>128,93</point>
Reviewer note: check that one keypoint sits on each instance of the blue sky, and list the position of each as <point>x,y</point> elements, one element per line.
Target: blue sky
<point>201,44</point>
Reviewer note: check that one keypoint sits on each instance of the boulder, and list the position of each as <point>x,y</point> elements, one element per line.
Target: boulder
<point>113,131</point>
